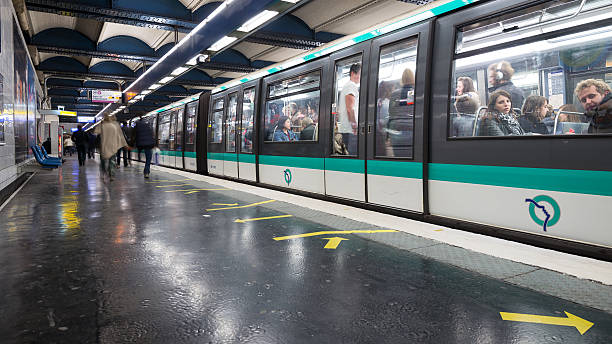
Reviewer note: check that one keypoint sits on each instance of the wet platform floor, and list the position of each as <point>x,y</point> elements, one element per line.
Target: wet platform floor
<point>165,261</point>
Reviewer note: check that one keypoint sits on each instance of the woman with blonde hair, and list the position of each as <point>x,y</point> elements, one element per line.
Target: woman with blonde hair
<point>111,139</point>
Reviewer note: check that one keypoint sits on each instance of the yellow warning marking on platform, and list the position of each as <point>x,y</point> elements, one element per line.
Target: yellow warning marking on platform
<point>262,218</point>
<point>438,230</point>
<point>168,181</point>
<point>225,204</point>
<point>194,190</point>
<point>167,186</point>
<point>243,206</point>
<point>333,243</point>
<point>334,232</point>
<point>573,321</point>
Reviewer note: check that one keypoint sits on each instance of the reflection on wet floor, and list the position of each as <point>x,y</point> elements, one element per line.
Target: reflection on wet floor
<point>127,262</point>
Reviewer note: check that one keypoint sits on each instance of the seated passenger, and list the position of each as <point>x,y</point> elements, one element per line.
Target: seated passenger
<point>308,130</point>
<point>401,116</point>
<point>569,113</point>
<point>465,88</point>
<point>499,119</point>
<point>596,98</point>
<point>500,75</point>
<point>534,111</point>
<point>283,130</point>
<point>463,122</point>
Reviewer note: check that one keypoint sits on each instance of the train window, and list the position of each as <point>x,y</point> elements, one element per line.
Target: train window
<point>230,123</point>
<point>248,118</point>
<point>216,122</point>
<point>395,100</point>
<point>164,130</point>
<point>292,115</point>
<point>534,72</point>
<point>172,136</point>
<point>179,129</point>
<point>345,107</point>
<point>190,125</point>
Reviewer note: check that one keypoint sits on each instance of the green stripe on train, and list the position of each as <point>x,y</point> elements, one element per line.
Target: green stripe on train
<point>292,161</point>
<point>574,181</point>
<point>405,169</point>
<point>246,158</point>
<point>345,165</point>
<point>190,155</point>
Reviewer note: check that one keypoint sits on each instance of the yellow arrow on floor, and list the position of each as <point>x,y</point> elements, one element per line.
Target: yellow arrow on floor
<point>225,204</point>
<point>333,243</point>
<point>168,186</point>
<point>242,206</point>
<point>367,231</point>
<point>574,321</point>
<point>262,218</point>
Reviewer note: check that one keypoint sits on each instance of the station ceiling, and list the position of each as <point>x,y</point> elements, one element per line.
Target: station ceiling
<point>79,45</point>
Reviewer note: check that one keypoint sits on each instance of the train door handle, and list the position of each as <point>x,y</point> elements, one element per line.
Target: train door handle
<point>369,128</point>
<point>362,129</point>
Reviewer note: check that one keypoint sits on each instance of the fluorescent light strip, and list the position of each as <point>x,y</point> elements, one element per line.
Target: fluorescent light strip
<point>256,21</point>
<point>145,92</point>
<point>178,71</point>
<point>165,80</point>
<point>182,41</point>
<point>222,43</point>
<point>154,86</point>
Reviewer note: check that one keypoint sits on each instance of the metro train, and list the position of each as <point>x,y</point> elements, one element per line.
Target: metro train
<point>411,147</point>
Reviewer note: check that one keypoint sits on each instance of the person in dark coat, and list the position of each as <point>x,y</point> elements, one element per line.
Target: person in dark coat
<point>534,110</point>
<point>308,130</point>
<point>142,137</point>
<point>126,134</point>
<point>47,145</point>
<point>91,147</point>
<point>596,98</point>
<point>81,141</point>
<point>500,75</point>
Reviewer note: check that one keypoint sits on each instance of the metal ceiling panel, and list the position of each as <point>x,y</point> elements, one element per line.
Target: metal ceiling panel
<point>280,54</point>
<point>316,13</point>
<point>369,17</point>
<point>147,35</point>
<point>251,49</point>
<point>42,21</point>
<point>130,64</point>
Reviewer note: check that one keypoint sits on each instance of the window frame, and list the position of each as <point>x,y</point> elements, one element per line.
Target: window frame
<point>212,116</point>
<point>255,110</point>
<point>226,110</point>
<point>267,99</point>
<point>508,45</point>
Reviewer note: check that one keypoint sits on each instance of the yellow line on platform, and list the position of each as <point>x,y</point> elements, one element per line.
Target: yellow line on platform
<point>168,181</point>
<point>243,206</point>
<point>195,190</point>
<point>167,186</point>
<point>225,204</point>
<point>262,218</point>
<point>334,232</point>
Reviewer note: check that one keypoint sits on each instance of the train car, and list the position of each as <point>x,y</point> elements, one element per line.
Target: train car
<point>469,119</point>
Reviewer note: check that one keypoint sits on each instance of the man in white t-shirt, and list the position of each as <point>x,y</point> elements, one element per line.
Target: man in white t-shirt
<point>348,110</point>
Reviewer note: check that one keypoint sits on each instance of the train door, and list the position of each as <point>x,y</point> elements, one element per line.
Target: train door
<point>395,120</point>
<point>189,155</point>
<point>164,138</point>
<point>345,164</point>
<point>230,158</point>
<point>215,154</point>
<point>170,157</point>
<point>247,167</point>
<point>179,147</point>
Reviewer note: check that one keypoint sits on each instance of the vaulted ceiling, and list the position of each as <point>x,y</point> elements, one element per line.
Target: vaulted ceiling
<point>79,45</point>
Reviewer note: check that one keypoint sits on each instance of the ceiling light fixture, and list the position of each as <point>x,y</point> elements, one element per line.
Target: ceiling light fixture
<point>222,43</point>
<point>178,71</point>
<point>257,20</point>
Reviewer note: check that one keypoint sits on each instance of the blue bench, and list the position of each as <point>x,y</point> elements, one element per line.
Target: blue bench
<point>46,163</point>
<point>46,156</point>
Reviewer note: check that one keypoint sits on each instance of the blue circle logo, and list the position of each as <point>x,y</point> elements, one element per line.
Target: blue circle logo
<point>287,176</point>
<point>544,211</point>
